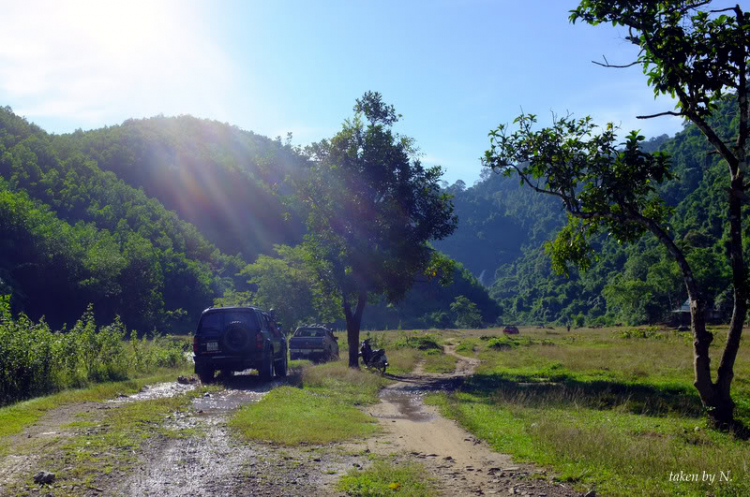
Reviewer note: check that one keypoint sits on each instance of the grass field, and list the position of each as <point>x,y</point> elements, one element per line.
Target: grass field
<point>610,409</point>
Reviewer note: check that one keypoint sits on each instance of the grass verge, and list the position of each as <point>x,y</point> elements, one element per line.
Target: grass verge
<point>292,416</point>
<point>388,477</point>
<point>438,362</point>
<point>105,443</point>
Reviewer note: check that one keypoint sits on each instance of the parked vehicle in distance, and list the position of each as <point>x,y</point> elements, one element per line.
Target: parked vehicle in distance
<point>511,330</point>
<point>314,342</point>
<point>238,338</point>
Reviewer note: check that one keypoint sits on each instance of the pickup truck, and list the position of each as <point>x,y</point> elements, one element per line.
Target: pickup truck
<point>314,342</point>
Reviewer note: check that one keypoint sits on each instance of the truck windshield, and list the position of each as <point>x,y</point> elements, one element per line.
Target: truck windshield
<point>213,323</point>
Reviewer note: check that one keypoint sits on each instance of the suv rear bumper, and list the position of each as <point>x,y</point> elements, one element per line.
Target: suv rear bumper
<point>229,362</point>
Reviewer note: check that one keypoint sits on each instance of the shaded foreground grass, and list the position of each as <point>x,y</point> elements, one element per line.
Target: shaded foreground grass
<point>388,477</point>
<point>14,418</point>
<point>603,409</point>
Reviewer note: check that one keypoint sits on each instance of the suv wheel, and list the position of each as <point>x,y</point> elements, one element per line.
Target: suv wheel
<point>266,371</point>
<point>206,375</point>
<point>281,366</point>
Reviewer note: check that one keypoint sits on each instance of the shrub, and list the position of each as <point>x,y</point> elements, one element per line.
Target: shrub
<point>420,342</point>
<point>36,360</point>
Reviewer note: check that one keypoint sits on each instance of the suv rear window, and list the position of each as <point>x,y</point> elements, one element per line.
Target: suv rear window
<point>213,323</point>
<point>310,332</point>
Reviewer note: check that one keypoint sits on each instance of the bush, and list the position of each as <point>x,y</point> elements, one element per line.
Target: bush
<point>36,360</point>
<point>641,333</point>
<point>419,342</point>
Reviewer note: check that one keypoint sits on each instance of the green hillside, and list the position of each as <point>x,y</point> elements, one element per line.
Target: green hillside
<point>504,225</point>
<point>140,219</point>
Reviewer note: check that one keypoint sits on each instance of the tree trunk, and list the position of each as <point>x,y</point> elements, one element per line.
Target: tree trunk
<point>353,323</point>
<point>720,407</point>
<point>723,412</point>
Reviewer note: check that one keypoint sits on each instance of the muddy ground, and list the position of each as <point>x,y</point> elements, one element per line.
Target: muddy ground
<point>210,461</point>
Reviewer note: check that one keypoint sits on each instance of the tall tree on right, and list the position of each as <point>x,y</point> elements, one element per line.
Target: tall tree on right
<point>698,56</point>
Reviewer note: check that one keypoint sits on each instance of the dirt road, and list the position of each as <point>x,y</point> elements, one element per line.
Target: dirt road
<point>204,459</point>
<point>460,463</point>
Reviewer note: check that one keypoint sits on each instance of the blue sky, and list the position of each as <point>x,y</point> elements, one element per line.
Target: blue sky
<point>454,69</point>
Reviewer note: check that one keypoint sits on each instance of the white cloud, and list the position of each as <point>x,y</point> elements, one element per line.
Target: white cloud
<point>95,60</point>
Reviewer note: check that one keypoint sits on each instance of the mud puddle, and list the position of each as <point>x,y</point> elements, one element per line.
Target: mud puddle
<point>408,406</point>
<point>210,460</point>
<point>157,391</point>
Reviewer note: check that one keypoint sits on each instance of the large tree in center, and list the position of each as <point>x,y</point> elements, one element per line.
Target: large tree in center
<point>700,57</point>
<point>373,208</point>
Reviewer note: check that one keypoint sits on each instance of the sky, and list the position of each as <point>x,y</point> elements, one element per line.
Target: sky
<point>453,69</point>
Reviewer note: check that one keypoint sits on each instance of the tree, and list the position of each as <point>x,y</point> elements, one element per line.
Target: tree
<point>467,314</point>
<point>373,208</point>
<point>699,57</point>
<point>290,286</point>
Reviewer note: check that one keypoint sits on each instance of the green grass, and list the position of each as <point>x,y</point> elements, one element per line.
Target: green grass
<point>402,361</point>
<point>438,362</point>
<point>605,409</point>
<point>293,416</point>
<point>388,477</point>
<point>467,347</point>
<point>322,411</point>
<point>14,418</point>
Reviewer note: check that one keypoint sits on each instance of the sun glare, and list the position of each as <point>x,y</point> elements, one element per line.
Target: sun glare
<point>84,58</point>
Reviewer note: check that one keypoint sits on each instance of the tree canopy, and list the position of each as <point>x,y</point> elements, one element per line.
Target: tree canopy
<point>373,208</point>
<point>696,56</point>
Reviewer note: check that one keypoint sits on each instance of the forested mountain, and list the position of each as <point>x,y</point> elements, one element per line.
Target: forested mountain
<point>154,219</point>
<point>504,225</point>
<point>228,182</point>
<point>140,219</point>
<point>73,234</point>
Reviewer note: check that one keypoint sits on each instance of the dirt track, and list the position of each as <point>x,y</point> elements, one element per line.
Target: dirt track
<point>460,463</point>
<point>212,462</point>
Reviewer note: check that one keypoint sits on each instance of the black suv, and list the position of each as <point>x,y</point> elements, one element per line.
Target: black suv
<point>238,338</point>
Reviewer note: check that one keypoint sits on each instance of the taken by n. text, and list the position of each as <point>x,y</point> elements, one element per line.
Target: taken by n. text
<point>704,476</point>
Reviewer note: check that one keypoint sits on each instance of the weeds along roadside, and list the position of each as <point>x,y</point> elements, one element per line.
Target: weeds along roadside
<point>388,476</point>
<point>35,360</point>
<point>610,409</point>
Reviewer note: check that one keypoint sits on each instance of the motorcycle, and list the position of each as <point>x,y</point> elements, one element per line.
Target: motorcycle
<point>373,358</point>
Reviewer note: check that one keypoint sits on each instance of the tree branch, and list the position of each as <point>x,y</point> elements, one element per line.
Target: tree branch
<point>614,66</point>
<point>716,11</point>
<point>666,113</point>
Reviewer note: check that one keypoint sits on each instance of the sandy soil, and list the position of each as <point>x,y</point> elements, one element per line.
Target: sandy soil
<point>460,463</point>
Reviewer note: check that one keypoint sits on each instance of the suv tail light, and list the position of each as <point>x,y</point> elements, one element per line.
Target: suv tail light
<point>259,340</point>
<point>195,345</point>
